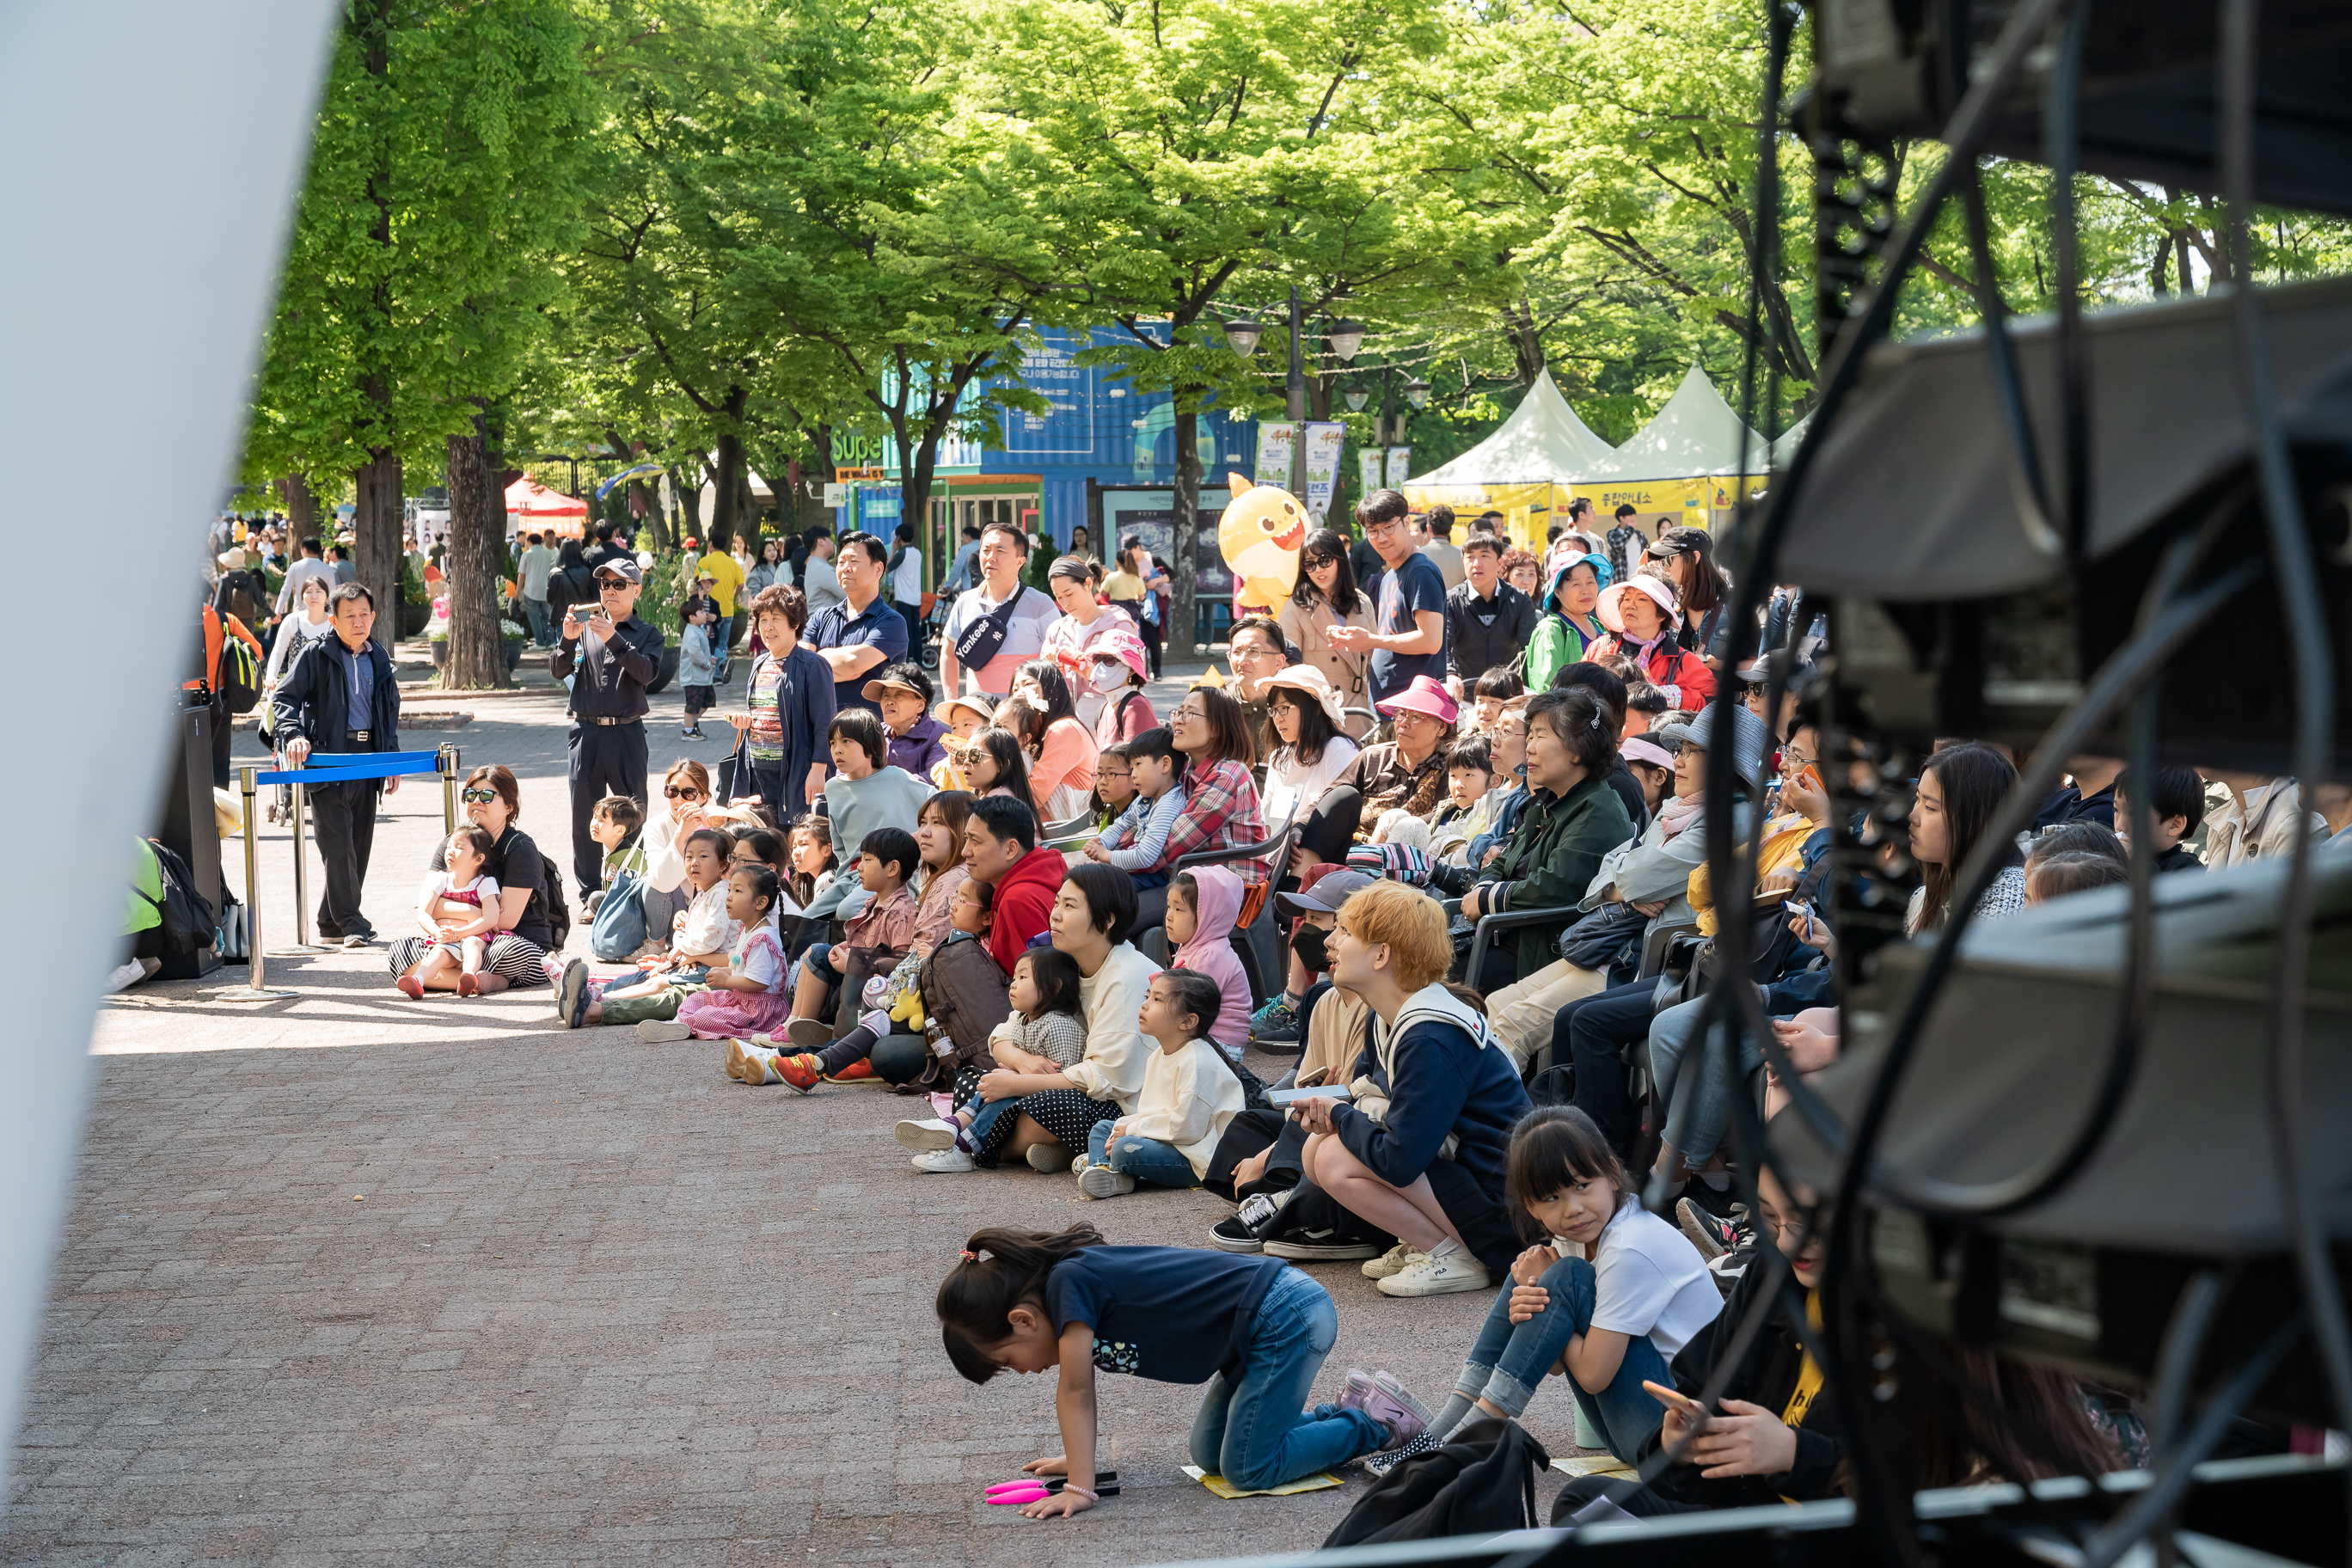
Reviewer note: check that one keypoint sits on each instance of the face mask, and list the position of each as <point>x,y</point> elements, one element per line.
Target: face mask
<point>1110,677</point>
<point>1307,941</point>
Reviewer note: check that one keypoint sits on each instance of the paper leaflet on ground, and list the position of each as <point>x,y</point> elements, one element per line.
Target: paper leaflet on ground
<point>1608,1465</point>
<point>1314,1483</point>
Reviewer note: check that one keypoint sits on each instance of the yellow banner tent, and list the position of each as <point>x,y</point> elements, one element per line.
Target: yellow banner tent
<point>1527,470</point>
<point>1684,467</point>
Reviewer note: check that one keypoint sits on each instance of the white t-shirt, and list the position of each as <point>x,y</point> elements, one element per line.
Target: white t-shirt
<point>758,959</point>
<point>1649,1279</point>
<point>906,587</point>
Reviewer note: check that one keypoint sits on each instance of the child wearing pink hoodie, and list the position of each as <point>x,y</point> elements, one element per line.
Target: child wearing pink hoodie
<point>1203,904</point>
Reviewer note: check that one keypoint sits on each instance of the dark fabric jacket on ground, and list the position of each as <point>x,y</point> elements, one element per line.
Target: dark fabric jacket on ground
<point>1551,858</point>
<point>312,700</point>
<point>964,994</point>
<point>1767,1377</point>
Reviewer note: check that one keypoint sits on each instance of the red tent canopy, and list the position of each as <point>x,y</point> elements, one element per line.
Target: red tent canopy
<point>530,500</point>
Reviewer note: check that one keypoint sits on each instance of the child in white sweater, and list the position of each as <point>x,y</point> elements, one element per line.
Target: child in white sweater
<point>1189,1097</point>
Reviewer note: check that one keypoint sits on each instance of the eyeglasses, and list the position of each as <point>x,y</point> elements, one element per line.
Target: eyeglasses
<point>611,585</point>
<point>478,796</point>
<point>1113,773</point>
<point>674,793</point>
<point>1381,530</point>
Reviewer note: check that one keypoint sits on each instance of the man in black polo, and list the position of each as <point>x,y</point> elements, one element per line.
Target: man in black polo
<point>339,697</point>
<point>616,656</point>
<point>863,633</point>
<point>1487,621</point>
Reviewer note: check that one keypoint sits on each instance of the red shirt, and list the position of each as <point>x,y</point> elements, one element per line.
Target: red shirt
<point>1024,900</point>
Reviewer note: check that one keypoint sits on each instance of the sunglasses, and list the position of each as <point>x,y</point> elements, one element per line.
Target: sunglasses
<point>478,796</point>
<point>674,793</point>
<point>612,583</point>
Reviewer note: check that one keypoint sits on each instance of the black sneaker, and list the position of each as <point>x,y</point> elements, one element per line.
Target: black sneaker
<point>1711,1236</point>
<point>1722,1204</point>
<point>1728,1267</point>
<point>1319,1246</point>
<point>1244,1230</point>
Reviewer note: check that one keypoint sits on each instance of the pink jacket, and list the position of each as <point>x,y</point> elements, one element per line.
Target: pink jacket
<point>1211,951</point>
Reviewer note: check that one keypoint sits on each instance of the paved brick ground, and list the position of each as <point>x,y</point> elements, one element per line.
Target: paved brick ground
<point>351,1279</point>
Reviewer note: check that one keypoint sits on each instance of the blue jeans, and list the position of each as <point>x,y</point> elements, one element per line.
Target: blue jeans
<point>1509,1361</point>
<point>984,1118</point>
<point>1256,1435</point>
<point>718,642</point>
<point>541,622</point>
<point>1691,1082</point>
<point>1145,1159</point>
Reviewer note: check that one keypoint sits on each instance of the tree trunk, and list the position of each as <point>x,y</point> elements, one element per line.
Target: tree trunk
<point>734,489</point>
<point>301,508</point>
<point>375,538</point>
<point>1187,530</point>
<point>689,508</point>
<point>809,511</point>
<point>1526,344</point>
<point>477,654</point>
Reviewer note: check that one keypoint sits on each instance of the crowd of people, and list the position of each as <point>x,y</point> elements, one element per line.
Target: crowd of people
<point>997,880</point>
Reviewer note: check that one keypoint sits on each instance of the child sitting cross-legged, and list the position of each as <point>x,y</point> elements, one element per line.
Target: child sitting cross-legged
<point>744,996</point>
<point>704,933</point>
<point>1610,1299</point>
<point>1189,1098</point>
<point>1139,839</point>
<point>1044,1035</point>
<point>614,824</point>
<point>872,940</point>
<point>458,909</point>
<point>1252,1327</point>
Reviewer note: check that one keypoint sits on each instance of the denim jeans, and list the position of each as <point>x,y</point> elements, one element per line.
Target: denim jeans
<point>1508,1361</point>
<point>985,1117</point>
<point>718,642</point>
<point>1690,1080</point>
<point>541,622</point>
<point>1145,1159</point>
<point>1256,1435</point>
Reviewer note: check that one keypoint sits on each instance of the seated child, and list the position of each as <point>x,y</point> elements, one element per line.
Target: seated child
<point>964,717</point>
<point>1202,907</point>
<point>744,996</point>
<point>704,933</point>
<point>1248,1327</point>
<point>1114,786</point>
<point>1138,841</point>
<point>458,911</point>
<point>1189,1097</point>
<point>614,824</point>
<point>1490,694</point>
<point>1469,798</point>
<point>1044,1035</point>
<point>814,863</point>
<point>872,940</point>
<point>1609,1322</point>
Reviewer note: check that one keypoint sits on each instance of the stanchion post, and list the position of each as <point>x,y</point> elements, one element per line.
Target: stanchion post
<point>252,888</point>
<point>444,762</point>
<point>301,877</point>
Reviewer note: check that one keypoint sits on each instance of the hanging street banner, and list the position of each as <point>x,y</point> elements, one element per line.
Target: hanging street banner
<point>1274,437</point>
<point>1323,444</point>
<point>1400,460</point>
<point>1368,467</point>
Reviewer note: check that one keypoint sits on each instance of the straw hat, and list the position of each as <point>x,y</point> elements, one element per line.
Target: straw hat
<point>1306,678</point>
<point>946,712</point>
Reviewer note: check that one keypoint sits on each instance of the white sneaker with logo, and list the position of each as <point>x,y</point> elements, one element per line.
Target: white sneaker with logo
<point>1441,1271</point>
<point>1391,1262</point>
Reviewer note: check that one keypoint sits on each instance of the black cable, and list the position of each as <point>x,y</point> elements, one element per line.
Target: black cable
<point>2176,1358</point>
<point>2061,139</point>
<point>2027,490</point>
<point>2298,583</point>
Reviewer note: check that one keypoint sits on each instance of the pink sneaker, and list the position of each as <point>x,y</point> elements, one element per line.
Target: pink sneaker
<point>1388,1403</point>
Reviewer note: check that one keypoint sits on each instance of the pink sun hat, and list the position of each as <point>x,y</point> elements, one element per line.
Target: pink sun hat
<point>1423,696</point>
<point>1119,641</point>
<point>1658,588</point>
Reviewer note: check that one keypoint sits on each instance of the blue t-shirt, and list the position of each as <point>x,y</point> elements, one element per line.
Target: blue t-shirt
<point>1413,587</point>
<point>838,625</point>
<point>1173,1314</point>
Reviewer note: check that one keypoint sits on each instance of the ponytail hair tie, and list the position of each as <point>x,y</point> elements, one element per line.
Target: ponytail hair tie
<point>969,1255</point>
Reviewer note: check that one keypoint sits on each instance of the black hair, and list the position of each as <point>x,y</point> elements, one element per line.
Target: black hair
<point>622,809</point>
<point>1073,567</point>
<point>1158,744</point>
<point>1472,753</point>
<point>1439,520</point>
<point>1626,510</point>
<point>1485,541</point>
<point>1271,627</point>
<point>1012,531</point>
<point>1056,975</point>
<point>876,550</point>
<point>310,547</point>
<point>1551,534</point>
<point>347,592</point>
<point>2073,871</point>
<point>477,837</point>
<point>862,727</point>
<point>1002,749</point>
<point>1580,507</point>
<point>906,672</point>
<point>1381,506</point>
<point>1582,720</point>
<point>1605,685</point>
<point>1109,893</point>
<point>1053,685</point>
<point>971,530</point>
<point>1315,728</point>
<point>1004,817</point>
<point>1553,1145</point>
<point>1000,1269</point>
<point>1501,682</point>
<point>718,838</point>
<point>765,883</point>
<point>1325,544</point>
<point>893,845</point>
<point>1642,698</point>
<point>905,533</point>
<point>766,846</point>
<point>2179,792</point>
<point>1196,996</point>
<point>2081,837</point>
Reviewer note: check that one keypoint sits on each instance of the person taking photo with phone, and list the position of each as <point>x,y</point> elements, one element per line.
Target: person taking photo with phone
<point>617,658</point>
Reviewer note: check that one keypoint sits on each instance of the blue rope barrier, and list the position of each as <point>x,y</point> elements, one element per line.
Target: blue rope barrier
<point>383,766</point>
<point>368,759</point>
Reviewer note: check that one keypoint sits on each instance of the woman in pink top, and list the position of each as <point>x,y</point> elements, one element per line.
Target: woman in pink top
<point>1062,772</point>
<point>1083,618</point>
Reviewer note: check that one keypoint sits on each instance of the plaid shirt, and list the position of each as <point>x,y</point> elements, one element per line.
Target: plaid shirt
<point>1220,812</point>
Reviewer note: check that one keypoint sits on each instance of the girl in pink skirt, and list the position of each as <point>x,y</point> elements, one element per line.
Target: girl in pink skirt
<point>746,996</point>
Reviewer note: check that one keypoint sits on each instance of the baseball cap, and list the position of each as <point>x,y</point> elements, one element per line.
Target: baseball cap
<point>622,566</point>
<point>1325,893</point>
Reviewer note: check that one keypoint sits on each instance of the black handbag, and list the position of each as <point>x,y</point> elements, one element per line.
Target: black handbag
<point>1599,939</point>
<point>1481,1483</point>
<point>982,638</point>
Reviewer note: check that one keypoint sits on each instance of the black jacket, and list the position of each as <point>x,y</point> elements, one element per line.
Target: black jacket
<point>613,672</point>
<point>312,700</point>
<point>1481,633</point>
<point>1767,1378</point>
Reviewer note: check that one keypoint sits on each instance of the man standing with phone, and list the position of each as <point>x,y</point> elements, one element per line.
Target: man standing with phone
<point>617,657</point>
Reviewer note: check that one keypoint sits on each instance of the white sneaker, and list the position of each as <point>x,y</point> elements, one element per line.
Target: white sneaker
<point>1442,1272</point>
<point>932,1133</point>
<point>1392,1262</point>
<point>942,1160</point>
<point>1048,1158</point>
<point>130,974</point>
<point>663,1031</point>
<point>1102,1181</point>
<point>1079,1166</point>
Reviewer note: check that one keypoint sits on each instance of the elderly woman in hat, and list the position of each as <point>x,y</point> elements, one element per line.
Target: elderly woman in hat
<point>1568,628</point>
<point>1644,614</point>
<point>1407,773</point>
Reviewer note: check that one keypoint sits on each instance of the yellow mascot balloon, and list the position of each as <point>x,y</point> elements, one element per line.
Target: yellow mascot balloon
<point>1260,536</point>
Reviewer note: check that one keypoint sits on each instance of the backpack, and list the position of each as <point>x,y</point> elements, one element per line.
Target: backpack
<point>619,927</point>
<point>559,912</point>
<point>189,924</point>
<point>1481,1483</point>
<point>239,595</point>
<point>238,682</point>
